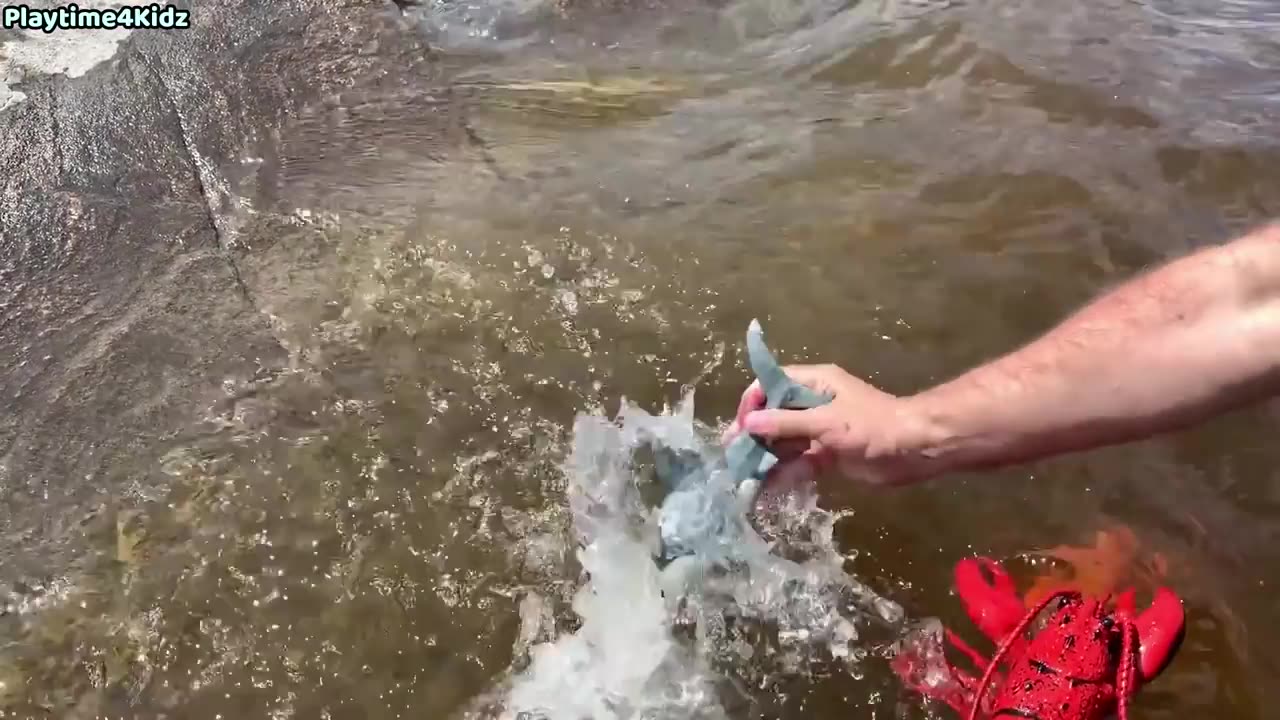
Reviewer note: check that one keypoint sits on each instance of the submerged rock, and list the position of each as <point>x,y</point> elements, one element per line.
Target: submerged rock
<point>123,313</point>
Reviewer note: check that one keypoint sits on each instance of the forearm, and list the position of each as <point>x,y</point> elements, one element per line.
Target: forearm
<point>1193,338</point>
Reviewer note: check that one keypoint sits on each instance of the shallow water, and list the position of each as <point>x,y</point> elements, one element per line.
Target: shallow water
<point>586,204</point>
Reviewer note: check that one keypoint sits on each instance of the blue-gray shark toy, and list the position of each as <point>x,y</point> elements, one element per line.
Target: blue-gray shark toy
<point>698,512</point>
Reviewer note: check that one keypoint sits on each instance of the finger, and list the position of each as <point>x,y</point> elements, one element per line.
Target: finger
<point>783,449</point>
<point>782,488</point>
<point>790,449</point>
<point>799,471</point>
<point>789,424</point>
<point>730,433</point>
<point>820,458</point>
<point>802,470</point>
<point>786,478</point>
<point>820,378</point>
<point>752,399</point>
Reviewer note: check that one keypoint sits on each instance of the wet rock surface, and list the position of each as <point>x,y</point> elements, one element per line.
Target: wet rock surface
<point>123,314</point>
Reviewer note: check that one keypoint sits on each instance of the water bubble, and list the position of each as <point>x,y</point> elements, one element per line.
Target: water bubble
<point>568,300</point>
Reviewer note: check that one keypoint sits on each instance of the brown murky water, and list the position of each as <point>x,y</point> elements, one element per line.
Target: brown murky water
<point>592,205</point>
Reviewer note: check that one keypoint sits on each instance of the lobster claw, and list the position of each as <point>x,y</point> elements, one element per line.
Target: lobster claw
<point>989,597</point>
<point>1160,627</point>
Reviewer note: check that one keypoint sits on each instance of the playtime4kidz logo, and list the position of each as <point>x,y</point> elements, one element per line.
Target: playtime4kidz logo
<point>73,17</point>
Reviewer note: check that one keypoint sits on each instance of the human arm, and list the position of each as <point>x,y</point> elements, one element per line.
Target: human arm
<point>1193,338</point>
<point>1196,337</point>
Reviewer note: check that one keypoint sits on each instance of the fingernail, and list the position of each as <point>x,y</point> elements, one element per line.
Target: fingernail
<point>755,422</point>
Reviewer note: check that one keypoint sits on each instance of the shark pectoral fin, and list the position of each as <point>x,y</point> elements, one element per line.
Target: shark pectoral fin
<point>800,397</point>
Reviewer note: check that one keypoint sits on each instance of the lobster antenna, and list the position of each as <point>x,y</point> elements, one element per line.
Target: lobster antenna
<point>1008,643</point>
<point>1128,669</point>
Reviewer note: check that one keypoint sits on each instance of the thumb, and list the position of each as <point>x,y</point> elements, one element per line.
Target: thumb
<point>786,424</point>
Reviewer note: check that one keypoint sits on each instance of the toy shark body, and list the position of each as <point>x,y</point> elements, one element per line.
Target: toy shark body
<point>697,512</point>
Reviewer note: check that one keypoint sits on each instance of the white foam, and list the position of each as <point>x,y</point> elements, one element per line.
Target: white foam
<point>61,52</point>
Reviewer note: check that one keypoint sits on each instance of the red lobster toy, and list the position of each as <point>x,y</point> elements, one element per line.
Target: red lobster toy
<point>1087,661</point>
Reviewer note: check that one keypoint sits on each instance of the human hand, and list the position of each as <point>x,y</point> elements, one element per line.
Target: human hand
<point>863,433</point>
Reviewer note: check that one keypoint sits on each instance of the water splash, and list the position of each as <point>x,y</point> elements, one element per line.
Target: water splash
<point>459,24</point>
<point>922,655</point>
<point>633,655</point>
